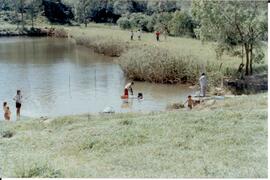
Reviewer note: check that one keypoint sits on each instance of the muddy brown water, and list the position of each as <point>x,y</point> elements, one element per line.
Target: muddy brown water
<point>58,78</point>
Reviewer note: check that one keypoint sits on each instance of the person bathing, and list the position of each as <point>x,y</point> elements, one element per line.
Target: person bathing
<point>128,88</point>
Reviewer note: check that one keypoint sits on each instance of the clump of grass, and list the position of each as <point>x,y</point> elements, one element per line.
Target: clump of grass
<point>37,171</point>
<point>7,134</point>
<point>175,106</point>
<point>126,122</point>
<point>88,144</point>
<point>59,33</point>
<point>102,44</point>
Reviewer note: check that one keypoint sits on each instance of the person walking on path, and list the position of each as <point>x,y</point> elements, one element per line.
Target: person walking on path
<point>18,100</point>
<point>203,85</point>
<point>157,35</point>
<point>131,35</point>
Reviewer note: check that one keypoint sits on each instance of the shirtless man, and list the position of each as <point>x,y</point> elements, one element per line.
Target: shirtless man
<point>128,87</point>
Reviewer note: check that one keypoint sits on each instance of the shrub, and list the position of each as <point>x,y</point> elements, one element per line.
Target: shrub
<point>124,23</point>
<point>7,134</point>
<point>182,24</point>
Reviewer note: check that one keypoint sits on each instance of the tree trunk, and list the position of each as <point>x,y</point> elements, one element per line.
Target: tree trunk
<point>251,59</point>
<point>85,22</point>
<point>22,9</point>
<point>247,59</point>
<point>17,18</point>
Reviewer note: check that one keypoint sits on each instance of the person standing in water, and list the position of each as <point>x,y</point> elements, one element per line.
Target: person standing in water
<point>128,87</point>
<point>18,100</point>
<point>203,85</point>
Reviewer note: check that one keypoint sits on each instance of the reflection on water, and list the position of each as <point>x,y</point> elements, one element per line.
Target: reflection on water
<point>59,78</point>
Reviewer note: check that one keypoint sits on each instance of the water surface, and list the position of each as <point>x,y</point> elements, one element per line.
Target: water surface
<point>57,78</point>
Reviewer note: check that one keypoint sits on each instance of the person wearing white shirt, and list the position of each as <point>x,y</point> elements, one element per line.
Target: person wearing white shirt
<point>18,100</point>
<point>203,85</point>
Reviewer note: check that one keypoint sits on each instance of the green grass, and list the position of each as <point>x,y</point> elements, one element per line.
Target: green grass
<point>167,61</point>
<point>221,140</point>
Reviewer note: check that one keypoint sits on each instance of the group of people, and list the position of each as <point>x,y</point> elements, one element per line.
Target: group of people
<point>139,34</point>
<point>203,85</point>
<point>128,88</point>
<point>18,100</point>
<point>190,102</point>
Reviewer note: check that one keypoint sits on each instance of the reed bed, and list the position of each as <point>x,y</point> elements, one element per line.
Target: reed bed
<point>162,66</point>
<point>102,44</point>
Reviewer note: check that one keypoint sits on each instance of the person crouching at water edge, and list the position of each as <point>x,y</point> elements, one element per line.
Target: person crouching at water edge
<point>7,114</point>
<point>18,100</point>
<point>128,87</point>
<point>190,102</point>
<point>203,85</point>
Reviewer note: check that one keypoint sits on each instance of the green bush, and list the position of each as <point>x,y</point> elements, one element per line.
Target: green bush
<point>124,23</point>
<point>182,24</point>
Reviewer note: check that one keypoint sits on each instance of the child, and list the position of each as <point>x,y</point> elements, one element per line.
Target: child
<point>7,114</point>
<point>4,106</point>
<point>190,102</point>
<point>140,96</point>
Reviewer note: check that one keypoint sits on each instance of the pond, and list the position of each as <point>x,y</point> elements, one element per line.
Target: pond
<point>58,78</point>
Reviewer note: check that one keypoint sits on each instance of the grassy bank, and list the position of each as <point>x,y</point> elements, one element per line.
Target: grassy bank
<point>214,141</point>
<point>169,61</point>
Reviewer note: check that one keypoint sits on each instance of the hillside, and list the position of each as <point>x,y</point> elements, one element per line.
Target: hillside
<point>220,140</point>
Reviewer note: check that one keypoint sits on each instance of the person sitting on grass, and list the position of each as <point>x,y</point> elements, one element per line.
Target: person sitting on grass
<point>128,87</point>
<point>190,102</point>
<point>7,114</point>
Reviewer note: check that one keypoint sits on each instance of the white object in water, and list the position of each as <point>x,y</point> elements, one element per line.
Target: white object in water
<point>108,110</point>
<point>219,97</point>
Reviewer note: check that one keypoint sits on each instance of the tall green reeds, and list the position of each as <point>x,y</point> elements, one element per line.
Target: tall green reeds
<point>102,44</point>
<point>159,65</point>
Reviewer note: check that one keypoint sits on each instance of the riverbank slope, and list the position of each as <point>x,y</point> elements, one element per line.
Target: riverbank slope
<point>171,60</point>
<point>220,140</point>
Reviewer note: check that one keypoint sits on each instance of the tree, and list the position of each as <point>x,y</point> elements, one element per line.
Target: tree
<point>182,24</point>
<point>83,11</point>
<point>21,8</point>
<point>233,24</point>
<point>33,7</point>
